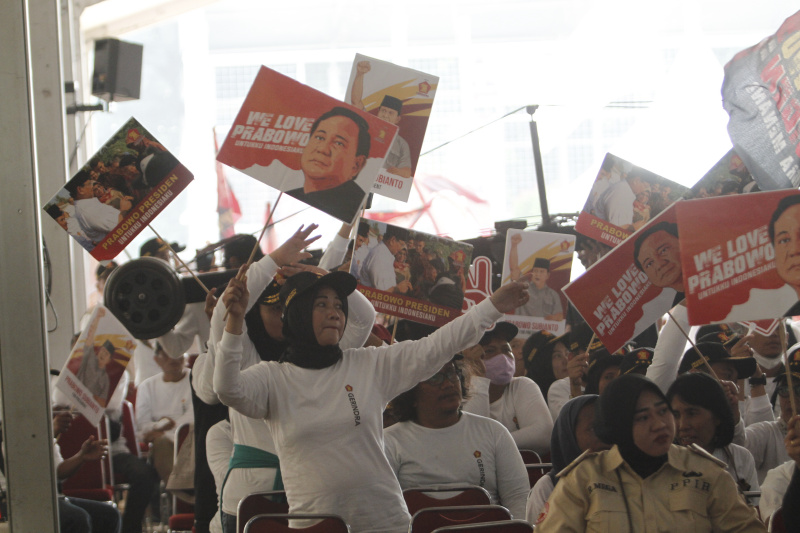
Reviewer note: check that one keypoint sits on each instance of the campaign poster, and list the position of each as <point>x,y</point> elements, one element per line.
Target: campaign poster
<point>623,199</point>
<point>743,263</point>
<point>409,274</point>
<point>400,96</point>
<point>727,177</point>
<point>548,258</point>
<point>96,364</point>
<point>315,148</point>
<point>762,327</point>
<point>760,94</point>
<point>634,284</point>
<point>119,191</point>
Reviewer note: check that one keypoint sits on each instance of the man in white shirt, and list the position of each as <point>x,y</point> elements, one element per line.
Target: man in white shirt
<point>96,219</point>
<point>378,268</point>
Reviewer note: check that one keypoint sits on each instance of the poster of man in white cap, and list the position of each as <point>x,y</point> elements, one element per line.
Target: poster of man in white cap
<point>303,142</point>
<point>548,258</point>
<point>623,199</point>
<point>400,96</point>
<point>96,364</point>
<point>116,194</point>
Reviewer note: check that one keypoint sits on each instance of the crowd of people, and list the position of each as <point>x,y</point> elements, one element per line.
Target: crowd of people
<point>294,391</point>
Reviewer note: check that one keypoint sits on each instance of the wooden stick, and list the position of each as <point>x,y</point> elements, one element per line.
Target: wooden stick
<point>575,388</point>
<point>394,330</point>
<point>703,357</point>
<point>258,242</point>
<point>782,335</point>
<point>179,259</point>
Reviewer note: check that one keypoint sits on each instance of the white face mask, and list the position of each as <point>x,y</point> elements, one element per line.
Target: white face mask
<point>766,362</point>
<point>500,369</point>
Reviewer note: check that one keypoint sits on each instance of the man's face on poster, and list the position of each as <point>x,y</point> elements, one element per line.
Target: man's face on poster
<point>62,220</point>
<point>787,246</point>
<point>388,114</point>
<point>329,159</point>
<point>86,190</point>
<point>361,241</point>
<point>539,277</point>
<point>660,257</point>
<point>103,357</point>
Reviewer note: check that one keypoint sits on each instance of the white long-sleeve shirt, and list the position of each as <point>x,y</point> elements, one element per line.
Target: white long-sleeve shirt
<point>475,451</point>
<point>157,399</point>
<point>521,409</point>
<point>765,441</point>
<point>327,423</point>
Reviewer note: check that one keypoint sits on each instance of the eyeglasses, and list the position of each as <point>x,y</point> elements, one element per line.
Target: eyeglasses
<point>783,390</point>
<point>438,378</point>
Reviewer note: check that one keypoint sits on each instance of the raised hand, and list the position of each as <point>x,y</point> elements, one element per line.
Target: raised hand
<point>293,250</point>
<point>512,295</point>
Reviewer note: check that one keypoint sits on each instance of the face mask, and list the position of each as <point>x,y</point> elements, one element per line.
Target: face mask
<point>500,369</point>
<point>766,362</point>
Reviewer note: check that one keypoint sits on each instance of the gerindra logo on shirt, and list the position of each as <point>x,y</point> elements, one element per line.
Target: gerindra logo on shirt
<point>481,469</point>
<point>353,404</point>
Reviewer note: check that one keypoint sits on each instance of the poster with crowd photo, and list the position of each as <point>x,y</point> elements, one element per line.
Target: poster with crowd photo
<point>96,364</point>
<point>400,96</point>
<point>548,258</point>
<point>633,285</point>
<point>314,148</point>
<point>761,96</point>
<point>743,265</point>
<point>412,275</point>
<point>727,177</point>
<point>623,199</point>
<point>119,191</point>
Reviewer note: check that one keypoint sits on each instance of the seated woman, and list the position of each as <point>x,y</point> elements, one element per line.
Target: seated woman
<point>434,443</point>
<point>323,405</point>
<point>545,359</point>
<point>517,403</point>
<point>703,417</point>
<point>644,481</point>
<point>573,434</point>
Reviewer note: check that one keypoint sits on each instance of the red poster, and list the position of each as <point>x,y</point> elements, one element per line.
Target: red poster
<point>119,191</point>
<point>409,274</point>
<point>313,147</point>
<point>734,269</point>
<point>633,285</point>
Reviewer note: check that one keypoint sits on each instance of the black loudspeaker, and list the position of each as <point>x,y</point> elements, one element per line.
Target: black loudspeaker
<point>117,70</point>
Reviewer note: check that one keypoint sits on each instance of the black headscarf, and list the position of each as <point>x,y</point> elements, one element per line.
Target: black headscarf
<point>268,349</point>
<point>563,445</point>
<point>304,350</point>
<point>614,420</point>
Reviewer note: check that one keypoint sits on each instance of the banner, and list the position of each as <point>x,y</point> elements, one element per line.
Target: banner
<point>96,364</point>
<point>310,146</point>
<point>728,176</point>
<point>119,191</point>
<point>623,199</point>
<point>760,94</point>
<point>548,257</point>
<point>740,256</point>
<point>400,96</point>
<point>410,274</point>
<point>633,285</point>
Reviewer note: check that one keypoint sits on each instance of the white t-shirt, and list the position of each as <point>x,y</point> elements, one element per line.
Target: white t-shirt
<point>764,440</point>
<point>537,498</point>
<point>521,409</point>
<point>474,451</point>
<point>95,218</point>
<point>327,424</point>
<point>219,446</point>
<point>377,270</point>
<point>615,204</point>
<point>157,399</point>
<point>774,487</point>
<point>743,466</point>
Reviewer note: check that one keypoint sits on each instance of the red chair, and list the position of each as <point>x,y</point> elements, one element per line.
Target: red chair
<point>259,503</point>
<point>89,482</point>
<point>273,523</point>
<point>537,471</point>
<point>503,526</point>
<point>129,429</point>
<point>776,523</point>
<point>530,457</point>
<point>427,520</point>
<point>182,518</point>
<point>422,497</point>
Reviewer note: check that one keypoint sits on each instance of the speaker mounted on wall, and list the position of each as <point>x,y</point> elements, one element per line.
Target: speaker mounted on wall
<point>117,70</point>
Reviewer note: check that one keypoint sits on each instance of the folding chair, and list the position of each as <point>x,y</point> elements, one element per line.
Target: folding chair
<point>259,503</point>
<point>427,520</point>
<point>182,518</point>
<point>537,471</point>
<point>273,523</point>
<point>421,497</point>
<point>89,482</point>
<point>530,457</point>
<point>503,526</point>
<point>776,523</point>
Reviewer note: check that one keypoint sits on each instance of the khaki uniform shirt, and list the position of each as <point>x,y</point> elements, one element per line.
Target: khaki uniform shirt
<point>690,493</point>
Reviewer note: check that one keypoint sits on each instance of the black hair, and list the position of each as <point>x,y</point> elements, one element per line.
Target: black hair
<point>404,406</point>
<point>241,246</point>
<point>783,205</point>
<point>397,232</point>
<point>363,128</point>
<point>77,181</point>
<point>539,365</point>
<point>54,211</point>
<point>669,227</point>
<point>697,388</point>
<point>363,229</point>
